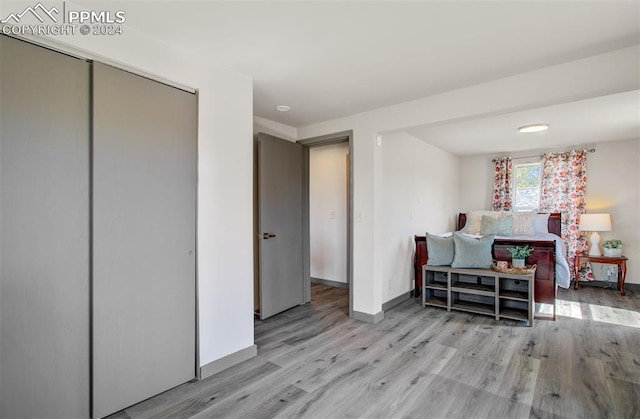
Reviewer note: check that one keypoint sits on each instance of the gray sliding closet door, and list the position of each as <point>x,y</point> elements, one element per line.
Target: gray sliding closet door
<point>44,233</point>
<point>144,218</point>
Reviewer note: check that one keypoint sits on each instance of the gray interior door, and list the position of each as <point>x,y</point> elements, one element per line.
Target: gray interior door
<point>280,224</point>
<point>144,200</point>
<point>44,232</point>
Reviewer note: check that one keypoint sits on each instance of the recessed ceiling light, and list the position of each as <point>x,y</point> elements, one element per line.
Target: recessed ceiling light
<point>533,128</point>
<point>283,108</point>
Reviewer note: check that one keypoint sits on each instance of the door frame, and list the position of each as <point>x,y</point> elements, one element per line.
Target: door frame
<point>335,138</point>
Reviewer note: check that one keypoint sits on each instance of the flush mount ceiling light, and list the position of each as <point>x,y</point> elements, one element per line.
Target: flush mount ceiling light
<point>283,108</point>
<point>533,128</point>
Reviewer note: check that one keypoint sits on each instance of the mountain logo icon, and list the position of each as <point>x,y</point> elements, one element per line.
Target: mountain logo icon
<point>38,11</point>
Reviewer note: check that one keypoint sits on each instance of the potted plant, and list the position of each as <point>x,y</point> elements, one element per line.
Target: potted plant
<point>518,254</point>
<point>612,248</point>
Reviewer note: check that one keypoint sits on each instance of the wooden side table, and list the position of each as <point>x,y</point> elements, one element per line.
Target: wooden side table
<point>620,261</point>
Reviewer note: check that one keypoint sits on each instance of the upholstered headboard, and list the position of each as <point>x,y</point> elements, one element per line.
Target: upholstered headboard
<point>554,223</point>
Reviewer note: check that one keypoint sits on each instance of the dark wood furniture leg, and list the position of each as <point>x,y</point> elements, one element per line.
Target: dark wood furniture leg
<point>419,258</point>
<point>622,274</point>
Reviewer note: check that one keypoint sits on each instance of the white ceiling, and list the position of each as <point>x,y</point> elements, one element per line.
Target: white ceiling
<point>605,118</point>
<point>330,59</point>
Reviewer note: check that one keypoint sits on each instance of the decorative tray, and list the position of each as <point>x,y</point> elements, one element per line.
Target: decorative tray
<point>515,271</point>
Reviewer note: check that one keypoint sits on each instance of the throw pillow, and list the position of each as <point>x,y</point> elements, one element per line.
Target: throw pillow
<point>472,253</point>
<point>439,250</point>
<point>523,223</point>
<point>498,226</point>
<point>541,224</point>
<point>474,220</point>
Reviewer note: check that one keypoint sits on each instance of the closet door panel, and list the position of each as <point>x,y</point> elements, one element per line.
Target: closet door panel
<point>44,240</point>
<point>144,217</point>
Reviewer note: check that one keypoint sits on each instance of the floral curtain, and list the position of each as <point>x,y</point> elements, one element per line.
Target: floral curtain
<point>502,184</point>
<point>564,189</point>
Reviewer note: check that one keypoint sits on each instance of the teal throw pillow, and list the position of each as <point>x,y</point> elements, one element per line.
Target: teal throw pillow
<point>439,250</point>
<point>498,226</point>
<point>472,253</point>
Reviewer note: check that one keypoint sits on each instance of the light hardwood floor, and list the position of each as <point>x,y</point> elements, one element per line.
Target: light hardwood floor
<point>315,362</point>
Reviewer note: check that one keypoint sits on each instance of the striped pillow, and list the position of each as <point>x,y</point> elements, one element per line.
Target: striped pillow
<point>523,223</point>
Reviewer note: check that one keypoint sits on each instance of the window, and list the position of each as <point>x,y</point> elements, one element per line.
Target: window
<point>527,187</point>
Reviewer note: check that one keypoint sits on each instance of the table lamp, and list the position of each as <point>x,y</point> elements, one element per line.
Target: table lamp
<point>595,223</point>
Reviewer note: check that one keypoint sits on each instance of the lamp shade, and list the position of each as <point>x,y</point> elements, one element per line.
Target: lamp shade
<point>595,222</point>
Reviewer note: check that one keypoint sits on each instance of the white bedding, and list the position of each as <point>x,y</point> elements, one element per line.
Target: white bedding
<point>563,273</point>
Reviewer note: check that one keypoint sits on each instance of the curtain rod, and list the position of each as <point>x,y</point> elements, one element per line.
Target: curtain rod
<point>592,150</point>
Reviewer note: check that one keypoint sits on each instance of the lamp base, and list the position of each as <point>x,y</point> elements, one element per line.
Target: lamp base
<point>594,250</point>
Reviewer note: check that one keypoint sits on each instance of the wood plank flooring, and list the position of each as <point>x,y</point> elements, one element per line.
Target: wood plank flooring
<point>315,362</point>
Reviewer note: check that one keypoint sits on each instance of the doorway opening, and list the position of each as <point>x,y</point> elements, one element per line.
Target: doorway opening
<point>328,219</point>
<point>282,244</point>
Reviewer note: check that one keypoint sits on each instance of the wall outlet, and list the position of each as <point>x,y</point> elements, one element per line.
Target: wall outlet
<point>332,215</point>
<point>358,216</point>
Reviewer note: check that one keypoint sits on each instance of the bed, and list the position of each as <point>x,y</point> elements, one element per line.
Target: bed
<point>548,254</point>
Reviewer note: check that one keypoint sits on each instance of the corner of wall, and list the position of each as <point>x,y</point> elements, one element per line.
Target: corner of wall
<point>274,128</point>
<point>368,318</point>
<point>228,361</point>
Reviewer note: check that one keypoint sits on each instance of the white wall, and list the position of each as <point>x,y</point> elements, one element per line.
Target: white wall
<point>225,167</point>
<point>420,193</point>
<point>612,187</point>
<point>475,189</point>
<point>328,211</point>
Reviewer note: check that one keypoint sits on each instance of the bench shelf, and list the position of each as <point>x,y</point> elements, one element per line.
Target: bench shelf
<point>479,291</point>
